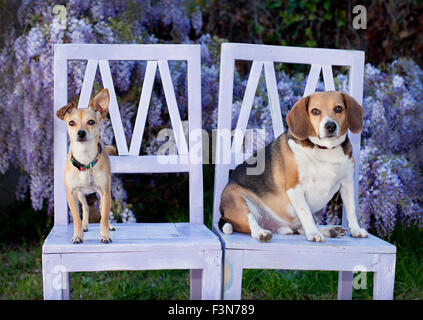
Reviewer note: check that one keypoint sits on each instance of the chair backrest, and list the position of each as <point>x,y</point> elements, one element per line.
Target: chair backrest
<point>128,160</point>
<point>264,56</point>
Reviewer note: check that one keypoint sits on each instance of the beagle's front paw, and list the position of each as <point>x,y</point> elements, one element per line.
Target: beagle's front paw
<point>315,236</point>
<point>358,232</point>
<point>262,235</point>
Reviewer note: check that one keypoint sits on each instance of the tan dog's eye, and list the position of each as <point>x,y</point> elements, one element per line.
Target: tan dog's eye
<point>315,112</point>
<point>71,123</point>
<point>91,122</point>
<point>338,109</point>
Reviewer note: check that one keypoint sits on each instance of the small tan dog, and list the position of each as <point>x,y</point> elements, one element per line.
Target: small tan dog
<point>87,167</point>
<point>304,168</point>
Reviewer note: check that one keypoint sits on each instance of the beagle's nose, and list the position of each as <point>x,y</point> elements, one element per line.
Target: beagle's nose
<point>81,133</point>
<point>330,126</point>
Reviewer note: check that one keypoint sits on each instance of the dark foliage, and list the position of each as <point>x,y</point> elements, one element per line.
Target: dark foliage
<point>394,28</point>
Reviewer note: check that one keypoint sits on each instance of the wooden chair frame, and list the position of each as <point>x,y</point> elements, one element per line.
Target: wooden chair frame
<point>140,246</point>
<point>293,252</point>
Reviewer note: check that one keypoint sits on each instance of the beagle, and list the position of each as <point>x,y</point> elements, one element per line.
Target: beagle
<point>303,170</point>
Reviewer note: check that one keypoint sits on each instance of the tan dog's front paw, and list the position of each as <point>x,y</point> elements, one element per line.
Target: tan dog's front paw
<point>315,236</point>
<point>105,238</point>
<point>358,233</point>
<point>77,239</point>
<point>85,228</point>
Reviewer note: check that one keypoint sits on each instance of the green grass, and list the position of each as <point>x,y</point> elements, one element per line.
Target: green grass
<point>21,278</point>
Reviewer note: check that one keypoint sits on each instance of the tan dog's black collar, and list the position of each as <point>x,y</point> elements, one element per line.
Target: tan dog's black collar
<point>82,167</point>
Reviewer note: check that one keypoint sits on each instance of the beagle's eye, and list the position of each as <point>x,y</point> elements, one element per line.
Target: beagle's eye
<point>91,122</point>
<point>338,109</point>
<point>315,112</point>
<point>72,123</point>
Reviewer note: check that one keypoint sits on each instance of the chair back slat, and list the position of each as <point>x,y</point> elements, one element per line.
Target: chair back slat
<point>247,103</point>
<point>175,118</point>
<point>272,93</point>
<point>87,84</point>
<point>129,160</point>
<point>114,112</point>
<point>328,78</point>
<point>313,79</point>
<point>321,60</point>
<point>141,118</point>
<point>60,139</point>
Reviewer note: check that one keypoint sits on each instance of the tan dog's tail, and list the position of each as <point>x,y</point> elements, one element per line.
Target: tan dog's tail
<point>111,150</point>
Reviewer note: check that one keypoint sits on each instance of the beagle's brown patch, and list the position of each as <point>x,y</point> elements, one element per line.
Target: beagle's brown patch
<point>354,114</point>
<point>299,121</point>
<point>267,190</point>
<point>347,148</point>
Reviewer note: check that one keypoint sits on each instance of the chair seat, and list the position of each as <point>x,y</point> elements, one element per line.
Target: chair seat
<point>134,238</point>
<point>346,244</point>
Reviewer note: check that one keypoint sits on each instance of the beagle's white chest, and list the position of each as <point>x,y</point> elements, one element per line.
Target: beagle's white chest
<point>320,172</point>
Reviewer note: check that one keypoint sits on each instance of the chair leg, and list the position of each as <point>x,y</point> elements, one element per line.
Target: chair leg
<point>55,278</point>
<point>232,275</point>
<point>195,283</point>
<point>383,282</point>
<point>345,280</point>
<point>66,285</point>
<point>211,279</point>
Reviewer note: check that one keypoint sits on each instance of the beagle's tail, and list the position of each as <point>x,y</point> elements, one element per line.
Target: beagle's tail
<point>225,226</point>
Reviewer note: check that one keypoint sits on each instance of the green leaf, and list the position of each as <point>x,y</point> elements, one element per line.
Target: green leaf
<point>328,16</point>
<point>326,5</point>
<point>273,4</point>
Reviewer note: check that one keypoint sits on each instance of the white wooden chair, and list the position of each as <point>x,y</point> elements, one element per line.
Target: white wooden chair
<point>293,252</point>
<point>141,246</point>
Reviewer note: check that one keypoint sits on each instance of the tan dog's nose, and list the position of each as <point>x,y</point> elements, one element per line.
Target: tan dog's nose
<point>82,134</point>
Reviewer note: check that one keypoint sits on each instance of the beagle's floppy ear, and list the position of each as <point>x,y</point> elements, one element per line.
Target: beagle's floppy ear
<point>354,114</point>
<point>100,103</point>
<point>61,113</point>
<point>298,120</point>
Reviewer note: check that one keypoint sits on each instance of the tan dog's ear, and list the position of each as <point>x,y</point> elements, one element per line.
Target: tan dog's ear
<point>298,120</point>
<point>100,103</point>
<point>66,109</point>
<point>354,114</point>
